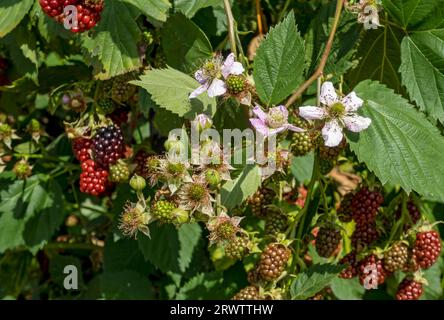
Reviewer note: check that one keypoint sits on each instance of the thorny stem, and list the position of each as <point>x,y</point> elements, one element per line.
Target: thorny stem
<point>259,17</point>
<point>319,71</point>
<point>230,22</point>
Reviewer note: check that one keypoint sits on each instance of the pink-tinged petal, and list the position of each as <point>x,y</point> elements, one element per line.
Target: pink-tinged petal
<point>217,88</point>
<point>199,76</point>
<point>328,94</point>
<point>332,133</point>
<point>294,128</point>
<point>230,66</point>
<point>260,126</point>
<point>356,123</point>
<point>284,111</point>
<point>198,91</point>
<point>352,102</point>
<point>276,131</point>
<point>260,113</point>
<point>312,113</point>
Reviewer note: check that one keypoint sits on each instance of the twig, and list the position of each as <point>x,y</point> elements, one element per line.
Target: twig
<point>324,57</point>
<point>230,21</point>
<point>259,17</point>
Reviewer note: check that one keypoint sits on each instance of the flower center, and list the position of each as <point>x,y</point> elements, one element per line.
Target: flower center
<point>276,118</point>
<point>226,230</point>
<point>196,192</point>
<point>212,69</point>
<point>175,169</point>
<point>337,110</point>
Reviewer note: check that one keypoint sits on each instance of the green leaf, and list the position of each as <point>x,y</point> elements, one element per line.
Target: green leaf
<point>170,249</point>
<point>201,286</point>
<point>347,289</point>
<point>379,58</point>
<point>184,44</point>
<point>280,62</point>
<point>120,285</point>
<point>433,275</point>
<point>410,12</point>
<point>156,9</point>
<point>316,278</point>
<point>190,7</point>
<point>112,49</point>
<point>400,146</point>
<point>236,191</point>
<point>124,255</point>
<point>422,70</point>
<point>302,167</point>
<point>170,89</point>
<point>11,13</point>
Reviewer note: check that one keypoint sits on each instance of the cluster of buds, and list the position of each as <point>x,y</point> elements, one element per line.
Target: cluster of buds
<point>367,11</point>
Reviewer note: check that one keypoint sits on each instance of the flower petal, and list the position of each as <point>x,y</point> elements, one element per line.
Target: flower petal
<point>284,111</point>
<point>199,76</point>
<point>230,66</point>
<point>328,94</point>
<point>294,128</point>
<point>260,126</point>
<point>276,130</point>
<point>332,133</point>
<point>198,91</point>
<point>260,113</point>
<point>312,113</point>
<point>356,123</point>
<point>217,88</point>
<point>352,102</point>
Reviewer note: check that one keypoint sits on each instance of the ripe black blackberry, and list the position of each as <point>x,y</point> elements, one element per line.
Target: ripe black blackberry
<point>397,258</point>
<point>235,84</point>
<point>371,271</point>
<point>108,146</point>
<point>409,289</point>
<point>237,248</point>
<point>364,235</point>
<point>248,293</point>
<point>259,200</point>
<point>82,148</point>
<point>275,223</point>
<point>327,241</point>
<point>352,264</point>
<point>427,248</point>
<point>163,210</point>
<point>273,261</point>
<point>344,210</point>
<point>140,159</point>
<point>365,205</point>
<point>119,116</point>
<point>119,172</point>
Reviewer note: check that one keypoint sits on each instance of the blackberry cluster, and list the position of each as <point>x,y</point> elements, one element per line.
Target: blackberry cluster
<point>427,248</point>
<point>345,210</point>
<point>88,12</point>
<point>121,90</point>
<point>235,84</point>
<point>237,248</point>
<point>259,200</point>
<point>119,116</point>
<point>327,241</point>
<point>328,153</point>
<point>365,205</point>
<point>371,269</point>
<point>248,293</point>
<point>108,146</point>
<point>163,210</point>
<point>397,258</point>
<point>119,172</point>
<point>364,235</point>
<point>275,223</point>
<point>273,261</point>
<point>351,261</point>
<point>409,289</point>
<point>93,179</point>
<point>106,106</point>
<point>82,148</point>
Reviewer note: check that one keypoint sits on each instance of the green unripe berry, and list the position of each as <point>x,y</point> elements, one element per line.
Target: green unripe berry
<point>235,84</point>
<point>137,182</point>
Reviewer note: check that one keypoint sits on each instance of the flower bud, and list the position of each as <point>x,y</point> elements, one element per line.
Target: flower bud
<point>202,122</point>
<point>212,177</point>
<point>180,216</point>
<point>138,183</point>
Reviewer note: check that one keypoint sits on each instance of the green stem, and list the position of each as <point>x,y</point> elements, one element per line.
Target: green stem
<point>230,22</point>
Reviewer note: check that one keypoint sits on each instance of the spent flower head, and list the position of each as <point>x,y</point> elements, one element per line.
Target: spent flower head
<point>195,196</point>
<point>272,122</point>
<point>134,219</point>
<point>223,228</point>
